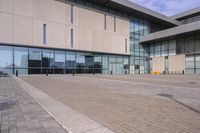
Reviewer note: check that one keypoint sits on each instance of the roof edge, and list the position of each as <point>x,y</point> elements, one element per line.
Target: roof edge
<point>172,32</point>
<point>147,11</point>
<point>186,13</point>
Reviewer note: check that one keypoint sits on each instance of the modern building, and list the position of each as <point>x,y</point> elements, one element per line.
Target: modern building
<point>96,36</point>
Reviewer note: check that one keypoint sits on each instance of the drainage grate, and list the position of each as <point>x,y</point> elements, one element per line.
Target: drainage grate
<point>165,95</point>
<point>192,82</point>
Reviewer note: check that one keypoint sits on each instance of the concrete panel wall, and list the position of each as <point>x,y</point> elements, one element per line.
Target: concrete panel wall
<point>21,22</point>
<point>158,64</point>
<point>6,28</point>
<point>176,63</point>
<point>6,6</point>
<point>22,30</point>
<point>23,7</point>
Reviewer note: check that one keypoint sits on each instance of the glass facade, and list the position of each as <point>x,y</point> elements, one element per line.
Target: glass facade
<point>191,19</point>
<point>190,46</point>
<point>40,61</point>
<point>139,60</point>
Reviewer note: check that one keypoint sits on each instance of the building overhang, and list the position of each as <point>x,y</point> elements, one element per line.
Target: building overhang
<point>187,14</point>
<point>179,31</point>
<point>131,8</point>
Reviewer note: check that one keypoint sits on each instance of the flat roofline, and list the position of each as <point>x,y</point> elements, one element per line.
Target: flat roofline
<point>181,30</point>
<point>134,9</point>
<point>182,15</point>
<point>150,14</point>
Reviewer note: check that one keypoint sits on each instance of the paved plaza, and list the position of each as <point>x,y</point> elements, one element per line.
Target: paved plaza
<point>20,113</point>
<point>129,103</point>
<point>100,104</point>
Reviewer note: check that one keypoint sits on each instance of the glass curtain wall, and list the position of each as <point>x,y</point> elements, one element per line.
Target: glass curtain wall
<point>190,46</point>
<point>21,60</point>
<point>139,60</point>
<point>42,61</point>
<point>6,60</point>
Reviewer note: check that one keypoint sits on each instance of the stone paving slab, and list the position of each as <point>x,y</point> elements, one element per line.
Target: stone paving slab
<point>126,106</point>
<point>68,118</point>
<point>20,113</point>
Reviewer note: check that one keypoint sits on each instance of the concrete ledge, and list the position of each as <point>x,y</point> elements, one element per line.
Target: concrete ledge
<point>69,119</point>
<point>172,32</point>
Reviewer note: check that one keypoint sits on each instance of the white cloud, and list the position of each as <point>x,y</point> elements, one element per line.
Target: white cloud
<point>169,7</point>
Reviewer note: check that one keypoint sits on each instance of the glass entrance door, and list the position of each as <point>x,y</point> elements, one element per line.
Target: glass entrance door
<point>116,68</point>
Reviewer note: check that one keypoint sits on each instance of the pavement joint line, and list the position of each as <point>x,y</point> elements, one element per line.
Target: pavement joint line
<point>79,123</point>
<point>170,86</point>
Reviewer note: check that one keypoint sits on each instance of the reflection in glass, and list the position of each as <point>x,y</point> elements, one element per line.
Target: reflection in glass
<point>59,62</point>
<point>21,60</point>
<point>80,62</point>
<point>34,62</point>
<point>6,57</point>
<point>47,58</point>
<point>97,64</point>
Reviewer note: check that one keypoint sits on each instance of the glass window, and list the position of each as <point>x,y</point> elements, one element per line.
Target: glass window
<point>6,59</point>
<point>70,60</point>
<point>47,58</point>
<point>180,48</point>
<point>120,59</point>
<point>21,60</point>
<point>34,57</point>
<point>105,62</point>
<point>112,59</point>
<point>172,45</point>
<point>44,33</point>
<point>190,62</point>
<point>59,59</point>
<point>157,48</point>
<point>6,56</point>
<point>34,62</point>
<point>97,63</point>
<point>80,60</point>
<point>197,43</point>
<point>164,46</point>
<point>197,71</point>
<point>190,45</point>
<point>198,61</point>
<point>190,71</point>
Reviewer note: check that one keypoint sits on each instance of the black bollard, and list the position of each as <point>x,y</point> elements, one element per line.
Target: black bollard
<point>73,73</point>
<point>183,72</point>
<point>111,72</point>
<point>47,73</point>
<point>17,73</point>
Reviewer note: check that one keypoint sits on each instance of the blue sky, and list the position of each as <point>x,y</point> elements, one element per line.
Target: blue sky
<point>169,7</point>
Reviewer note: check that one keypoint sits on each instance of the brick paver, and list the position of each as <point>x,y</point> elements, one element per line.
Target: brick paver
<point>127,106</point>
<point>20,113</point>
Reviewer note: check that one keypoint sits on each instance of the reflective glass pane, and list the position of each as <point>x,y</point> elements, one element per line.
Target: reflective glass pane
<point>197,71</point>
<point>6,56</point>
<point>198,61</point>
<point>172,45</point>
<point>34,57</point>
<point>70,60</point>
<point>47,58</point>
<point>59,59</point>
<point>189,71</point>
<point>80,60</point>
<point>20,57</point>
<point>190,45</point>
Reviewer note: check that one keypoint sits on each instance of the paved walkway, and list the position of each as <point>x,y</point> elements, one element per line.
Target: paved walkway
<point>20,113</point>
<point>69,119</point>
<point>127,106</point>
